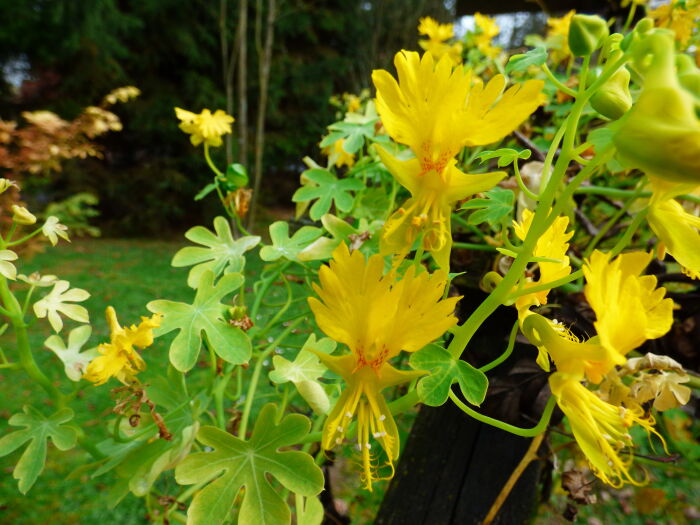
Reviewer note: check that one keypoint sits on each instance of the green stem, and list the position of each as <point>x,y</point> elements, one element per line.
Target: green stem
<point>256,376</point>
<point>23,239</point>
<point>613,220</point>
<point>560,86</point>
<point>521,184</point>
<point>518,431</point>
<point>211,164</point>
<point>472,246</point>
<point>505,355</point>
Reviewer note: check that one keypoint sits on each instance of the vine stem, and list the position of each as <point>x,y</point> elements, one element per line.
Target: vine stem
<point>250,396</point>
<point>529,457</point>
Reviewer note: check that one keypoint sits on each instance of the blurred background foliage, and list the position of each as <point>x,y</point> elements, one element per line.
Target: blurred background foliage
<point>62,55</point>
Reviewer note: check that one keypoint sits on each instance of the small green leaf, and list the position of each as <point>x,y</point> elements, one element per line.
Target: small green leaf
<point>534,57</point>
<point>444,370</point>
<point>304,372</point>
<point>497,205</point>
<point>222,254</point>
<point>74,361</point>
<point>234,464</point>
<point>328,190</point>
<point>37,430</point>
<point>312,513</point>
<point>505,156</point>
<point>285,246</point>
<point>205,191</point>
<point>205,315</point>
<point>354,131</point>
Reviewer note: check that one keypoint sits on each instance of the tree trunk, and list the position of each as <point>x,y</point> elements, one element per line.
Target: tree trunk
<point>264,61</point>
<point>242,117</point>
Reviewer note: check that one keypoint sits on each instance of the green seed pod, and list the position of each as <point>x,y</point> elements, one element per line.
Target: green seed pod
<point>613,99</point>
<point>586,34</point>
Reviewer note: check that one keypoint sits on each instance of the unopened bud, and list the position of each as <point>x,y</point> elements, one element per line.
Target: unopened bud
<point>22,215</point>
<point>613,99</point>
<point>586,34</point>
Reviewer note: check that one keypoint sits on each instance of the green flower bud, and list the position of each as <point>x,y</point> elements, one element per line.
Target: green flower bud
<point>613,99</point>
<point>586,34</point>
<point>688,74</point>
<point>660,135</point>
<point>22,215</point>
<point>611,47</point>
<point>644,26</point>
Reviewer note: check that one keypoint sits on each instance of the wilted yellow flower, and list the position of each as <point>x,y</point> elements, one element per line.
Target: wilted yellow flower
<point>488,30</point>
<point>337,156</point>
<point>601,429</point>
<point>119,358</point>
<point>558,37</point>
<point>436,111</point>
<point>206,126</point>
<point>5,184</point>
<point>122,94</point>
<point>376,316</point>
<point>438,34</point>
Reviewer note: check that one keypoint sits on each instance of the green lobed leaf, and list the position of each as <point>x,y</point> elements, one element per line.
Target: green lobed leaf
<point>221,252</point>
<point>285,246</point>
<point>37,430</point>
<point>206,315</point>
<point>445,370</point>
<point>534,57</point>
<point>505,156</point>
<point>234,464</point>
<point>206,190</point>
<point>312,513</point>
<point>497,205</point>
<point>328,190</point>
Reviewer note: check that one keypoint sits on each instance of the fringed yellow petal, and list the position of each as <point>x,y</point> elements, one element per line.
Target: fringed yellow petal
<point>678,230</point>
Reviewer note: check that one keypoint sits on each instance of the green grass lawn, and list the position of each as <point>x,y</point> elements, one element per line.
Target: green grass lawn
<point>126,274</point>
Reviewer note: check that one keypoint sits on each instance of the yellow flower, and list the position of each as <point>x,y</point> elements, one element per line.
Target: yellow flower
<point>436,111</point>
<point>681,17</point>
<point>488,29</point>
<point>553,244</point>
<point>629,310</point>
<point>122,94</point>
<point>376,316</point>
<point>119,358</point>
<point>558,37</point>
<point>337,156</point>
<point>437,35</point>
<point>206,126</point>
<point>601,429</point>
<point>629,307</point>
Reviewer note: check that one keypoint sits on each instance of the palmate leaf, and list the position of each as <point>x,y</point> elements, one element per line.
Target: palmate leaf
<point>204,315</point>
<point>220,252</point>
<point>234,464</point>
<point>328,189</point>
<point>285,246</point>
<point>444,371</point>
<point>37,429</point>
<point>497,205</point>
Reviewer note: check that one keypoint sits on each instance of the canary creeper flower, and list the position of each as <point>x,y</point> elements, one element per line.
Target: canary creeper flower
<point>436,111</point>
<point>119,358</point>
<point>438,34</point>
<point>553,244</point>
<point>682,18</point>
<point>337,156</point>
<point>558,37</point>
<point>206,126</point>
<point>376,316</point>
<point>488,30</point>
<point>601,429</point>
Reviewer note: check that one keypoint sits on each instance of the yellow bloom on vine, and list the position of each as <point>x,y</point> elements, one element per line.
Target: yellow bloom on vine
<point>206,126</point>
<point>119,358</point>
<point>337,156</point>
<point>438,34</point>
<point>629,310</point>
<point>558,36</point>
<point>681,17</point>
<point>488,30</point>
<point>436,111</point>
<point>376,316</point>
<point>601,429</point>
<point>553,244</point>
